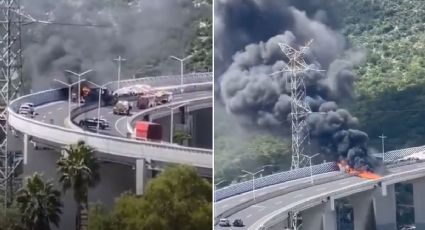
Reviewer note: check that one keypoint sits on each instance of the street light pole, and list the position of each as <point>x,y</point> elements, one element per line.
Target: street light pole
<point>253,177</point>
<point>181,60</point>
<point>383,147</point>
<point>119,60</point>
<point>311,166</point>
<point>172,120</point>
<point>98,105</point>
<point>79,75</point>
<point>69,93</point>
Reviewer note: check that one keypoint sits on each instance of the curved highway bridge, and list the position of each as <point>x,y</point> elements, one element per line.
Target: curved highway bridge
<point>280,195</point>
<point>54,126</point>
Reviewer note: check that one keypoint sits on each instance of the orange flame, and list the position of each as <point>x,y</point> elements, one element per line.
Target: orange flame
<point>343,166</point>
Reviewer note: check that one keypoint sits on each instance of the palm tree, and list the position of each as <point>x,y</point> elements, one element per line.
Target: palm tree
<point>39,204</point>
<point>79,170</point>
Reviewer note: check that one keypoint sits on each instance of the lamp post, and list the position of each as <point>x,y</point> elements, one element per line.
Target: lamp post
<point>79,75</point>
<point>69,93</point>
<point>181,60</point>
<point>98,105</point>
<point>383,147</point>
<point>311,166</point>
<point>172,120</point>
<point>119,60</point>
<point>253,177</point>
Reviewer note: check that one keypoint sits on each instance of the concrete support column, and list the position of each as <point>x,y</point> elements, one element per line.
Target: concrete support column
<point>143,174</point>
<point>362,205</point>
<point>313,217</point>
<point>320,217</point>
<point>25,152</point>
<point>329,217</point>
<point>384,206</point>
<point>419,202</point>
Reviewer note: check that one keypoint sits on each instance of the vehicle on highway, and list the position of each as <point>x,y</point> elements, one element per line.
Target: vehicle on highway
<point>162,97</point>
<point>26,109</point>
<point>145,130</point>
<point>103,121</point>
<point>133,90</point>
<point>122,107</point>
<point>146,101</point>
<point>224,222</point>
<point>238,223</point>
<point>409,227</point>
<point>92,123</point>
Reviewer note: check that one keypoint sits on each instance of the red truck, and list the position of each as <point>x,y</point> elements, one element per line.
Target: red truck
<point>145,130</point>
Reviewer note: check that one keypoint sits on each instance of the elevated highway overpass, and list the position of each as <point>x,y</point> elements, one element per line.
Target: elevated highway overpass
<point>373,201</point>
<point>54,126</point>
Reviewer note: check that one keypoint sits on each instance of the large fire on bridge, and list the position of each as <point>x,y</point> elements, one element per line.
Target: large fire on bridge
<point>363,173</point>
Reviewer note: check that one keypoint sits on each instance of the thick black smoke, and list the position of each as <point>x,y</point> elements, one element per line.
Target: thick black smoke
<point>248,91</point>
<point>144,32</point>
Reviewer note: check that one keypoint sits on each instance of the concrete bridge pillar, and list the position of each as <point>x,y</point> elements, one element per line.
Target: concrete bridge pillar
<point>143,174</point>
<point>313,218</point>
<point>25,148</point>
<point>419,202</point>
<point>329,217</point>
<point>384,206</point>
<point>362,209</point>
<point>320,217</point>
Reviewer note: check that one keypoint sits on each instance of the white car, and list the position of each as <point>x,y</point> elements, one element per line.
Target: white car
<point>224,223</point>
<point>24,109</point>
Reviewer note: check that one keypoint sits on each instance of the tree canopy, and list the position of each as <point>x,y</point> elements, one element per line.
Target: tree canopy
<point>166,204</point>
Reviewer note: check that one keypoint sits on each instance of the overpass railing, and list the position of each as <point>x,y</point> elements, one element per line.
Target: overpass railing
<point>156,81</point>
<point>207,101</point>
<point>395,155</point>
<point>276,178</point>
<point>102,143</point>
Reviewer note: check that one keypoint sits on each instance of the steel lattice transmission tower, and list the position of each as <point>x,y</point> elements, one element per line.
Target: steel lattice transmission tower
<point>299,107</point>
<point>10,82</point>
<point>297,67</point>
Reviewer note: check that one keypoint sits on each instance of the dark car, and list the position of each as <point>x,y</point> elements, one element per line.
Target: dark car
<point>92,123</point>
<point>238,223</point>
<point>102,121</point>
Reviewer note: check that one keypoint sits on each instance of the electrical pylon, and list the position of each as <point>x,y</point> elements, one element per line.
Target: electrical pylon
<point>10,82</point>
<point>297,67</point>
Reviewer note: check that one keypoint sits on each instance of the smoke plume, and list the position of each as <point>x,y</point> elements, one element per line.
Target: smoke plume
<point>142,31</point>
<point>249,92</point>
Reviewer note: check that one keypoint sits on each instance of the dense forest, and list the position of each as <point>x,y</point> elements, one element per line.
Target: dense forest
<point>390,87</point>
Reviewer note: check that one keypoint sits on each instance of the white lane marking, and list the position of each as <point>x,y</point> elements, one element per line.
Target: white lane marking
<point>248,216</point>
<point>298,196</point>
<point>279,202</point>
<point>116,126</point>
<point>261,193</point>
<point>44,116</point>
<point>110,112</point>
<point>59,109</point>
<point>321,189</point>
<point>225,206</point>
<point>283,187</point>
<point>50,112</point>
<point>258,206</point>
<point>345,182</point>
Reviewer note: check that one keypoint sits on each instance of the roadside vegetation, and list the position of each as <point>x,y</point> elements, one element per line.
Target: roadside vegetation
<point>177,199</point>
